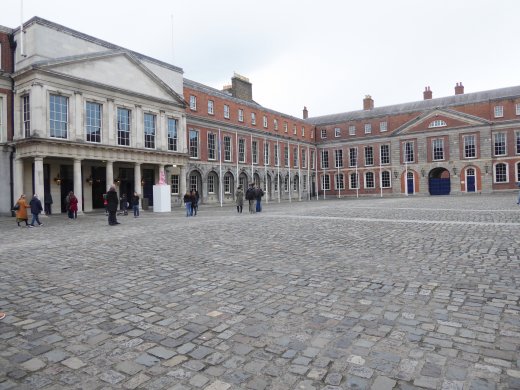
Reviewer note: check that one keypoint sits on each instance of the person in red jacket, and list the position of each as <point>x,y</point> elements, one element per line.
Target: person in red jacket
<point>73,205</point>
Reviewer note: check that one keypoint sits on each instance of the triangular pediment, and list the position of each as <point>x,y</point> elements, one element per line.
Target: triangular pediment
<point>440,120</point>
<point>115,69</point>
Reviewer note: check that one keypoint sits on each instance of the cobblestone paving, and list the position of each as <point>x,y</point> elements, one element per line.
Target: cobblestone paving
<point>392,293</point>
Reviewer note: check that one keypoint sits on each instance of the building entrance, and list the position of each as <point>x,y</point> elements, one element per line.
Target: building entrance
<point>439,182</point>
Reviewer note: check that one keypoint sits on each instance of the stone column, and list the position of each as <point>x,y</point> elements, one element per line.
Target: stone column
<point>110,174</point>
<point>38,111</point>
<point>137,179</point>
<point>76,123</point>
<point>78,187</point>
<point>110,136</point>
<point>18,178</point>
<point>38,178</point>
<point>182,181</point>
<point>137,183</point>
<point>182,135</point>
<point>137,132</point>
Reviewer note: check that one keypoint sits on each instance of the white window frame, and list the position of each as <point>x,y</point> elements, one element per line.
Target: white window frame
<point>175,184</point>
<point>389,179</point>
<point>323,133</point>
<point>506,174</point>
<point>383,126</point>
<point>324,161</point>
<point>368,128</point>
<point>253,118</point>
<point>339,181</point>
<point>366,181</point>
<point>325,182</point>
<point>436,148</point>
<point>226,111</point>
<point>193,102</point>
<point>303,131</point>
<point>285,127</point>
<point>498,111</point>
<point>193,147</point>
<point>275,124</point>
<point>265,122</point>
<point>437,123</point>
<point>517,108</point>
<point>474,144</point>
<point>386,154</point>
<point>504,144</point>
<point>211,107</point>
<point>295,130</point>
<point>352,130</point>
<point>240,115</point>
<point>337,132</point>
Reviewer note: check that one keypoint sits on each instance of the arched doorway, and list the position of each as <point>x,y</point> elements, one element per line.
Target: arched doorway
<point>410,185</point>
<point>470,179</point>
<point>195,183</point>
<point>439,182</point>
<point>242,180</point>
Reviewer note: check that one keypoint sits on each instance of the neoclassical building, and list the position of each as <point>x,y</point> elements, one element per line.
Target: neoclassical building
<point>88,114</point>
<point>79,114</point>
<point>465,143</point>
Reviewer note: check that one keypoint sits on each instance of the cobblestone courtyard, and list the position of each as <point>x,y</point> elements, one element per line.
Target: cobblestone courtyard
<point>392,293</point>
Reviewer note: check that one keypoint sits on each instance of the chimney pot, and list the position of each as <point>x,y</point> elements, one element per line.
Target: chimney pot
<point>305,113</point>
<point>427,94</point>
<point>368,103</point>
<point>459,89</point>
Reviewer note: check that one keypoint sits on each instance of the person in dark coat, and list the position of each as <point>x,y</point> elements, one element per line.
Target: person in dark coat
<point>48,203</point>
<point>36,209</point>
<point>135,204</point>
<point>112,203</point>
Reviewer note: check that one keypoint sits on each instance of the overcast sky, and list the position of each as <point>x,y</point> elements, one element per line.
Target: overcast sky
<point>326,55</point>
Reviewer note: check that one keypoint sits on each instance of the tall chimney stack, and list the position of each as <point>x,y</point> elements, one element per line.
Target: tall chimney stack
<point>459,89</point>
<point>305,113</point>
<point>368,103</point>
<point>428,94</point>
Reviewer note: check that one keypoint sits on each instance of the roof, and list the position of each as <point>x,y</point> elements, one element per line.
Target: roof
<point>421,105</point>
<point>100,42</point>
<point>226,95</point>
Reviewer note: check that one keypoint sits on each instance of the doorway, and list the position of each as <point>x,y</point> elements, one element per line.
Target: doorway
<point>470,180</point>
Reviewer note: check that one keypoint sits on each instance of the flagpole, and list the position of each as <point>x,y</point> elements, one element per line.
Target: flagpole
<point>380,172</point>
<point>278,164</point>
<point>265,175</point>
<point>357,175</point>
<point>289,158</point>
<point>316,168</point>
<point>308,173</point>
<point>252,173</point>
<point>220,167</point>
<point>299,174</point>
<point>236,147</point>
<point>406,176</point>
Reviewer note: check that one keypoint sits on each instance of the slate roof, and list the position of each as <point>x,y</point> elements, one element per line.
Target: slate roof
<point>226,95</point>
<point>421,105</point>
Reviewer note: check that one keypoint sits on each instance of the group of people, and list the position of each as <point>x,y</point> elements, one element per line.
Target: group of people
<point>111,202</point>
<point>191,202</point>
<point>253,195</point>
<point>35,206</point>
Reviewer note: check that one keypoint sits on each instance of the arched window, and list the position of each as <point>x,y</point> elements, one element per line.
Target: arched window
<point>369,180</point>
<point>385,179</point>
<point>437,123</point>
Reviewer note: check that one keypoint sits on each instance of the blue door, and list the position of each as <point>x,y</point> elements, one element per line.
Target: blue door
<point>409,183</point>
<point>470,180</point>
<point>439,186</point>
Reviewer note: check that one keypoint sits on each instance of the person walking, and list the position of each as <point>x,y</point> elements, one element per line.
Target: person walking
<point>73,206</point>
<point>258,196</point>
<point>112,202</point>
<point>239,199</point>
<point>188,204</point>
<point>250,196</point>
<point>47,202</point>
<point>36,209</point>
<point>135,204</point>
<point>21,212</point>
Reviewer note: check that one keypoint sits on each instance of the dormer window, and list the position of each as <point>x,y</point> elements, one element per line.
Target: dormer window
<point>437,123</point>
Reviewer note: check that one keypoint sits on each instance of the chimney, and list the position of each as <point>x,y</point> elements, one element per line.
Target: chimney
<point>459,89</point>
<point>241,88</point>
<point>428,94</point>
<point>305,113</point>
<point>368,103</point>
